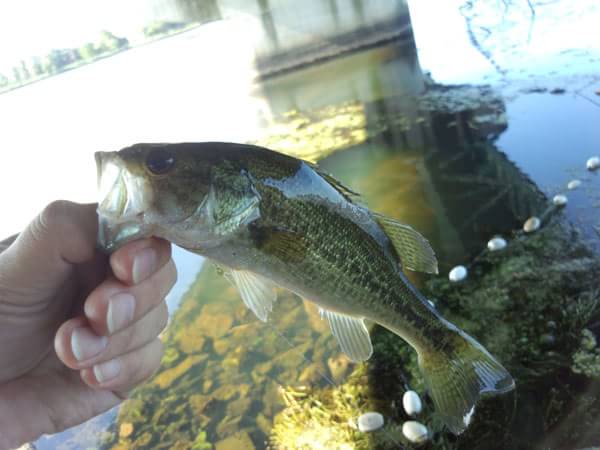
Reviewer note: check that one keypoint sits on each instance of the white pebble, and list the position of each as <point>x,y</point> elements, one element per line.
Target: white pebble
<point>415,432</point>
<point>593,163</point>
<point>412,403</point>
<point>573,184</point>
<point>532,224</point>
<point>459,273</point>
<point>496,243</point>
<point>560,200</point>
<point>370,421</point>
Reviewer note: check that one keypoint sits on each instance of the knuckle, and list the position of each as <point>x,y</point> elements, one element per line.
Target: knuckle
<point>54,214</point>
<point>163,318</point>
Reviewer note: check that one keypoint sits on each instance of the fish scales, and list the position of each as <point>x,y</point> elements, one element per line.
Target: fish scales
<point>347,263</point>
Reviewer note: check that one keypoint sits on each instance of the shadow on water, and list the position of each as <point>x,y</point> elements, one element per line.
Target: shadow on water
<point>426,155</point>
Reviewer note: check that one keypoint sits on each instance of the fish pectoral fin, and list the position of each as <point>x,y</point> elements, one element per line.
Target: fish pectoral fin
<point>413,249</point>
<point>257,292</point>
<point>351,333</point>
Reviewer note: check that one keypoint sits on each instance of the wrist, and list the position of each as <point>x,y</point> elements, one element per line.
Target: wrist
<point>18,425</point>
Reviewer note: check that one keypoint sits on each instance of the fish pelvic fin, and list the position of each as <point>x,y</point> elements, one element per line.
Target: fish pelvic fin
<point>258,293</point>
<point>459,375</point>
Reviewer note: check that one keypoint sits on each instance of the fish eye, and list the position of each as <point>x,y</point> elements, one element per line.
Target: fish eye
<point>159,161</point>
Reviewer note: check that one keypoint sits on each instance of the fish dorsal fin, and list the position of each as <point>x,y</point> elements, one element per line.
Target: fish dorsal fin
<point>337,184</point>
<point>413,249</point>
<point>351,333</point>
<point>257,292</point>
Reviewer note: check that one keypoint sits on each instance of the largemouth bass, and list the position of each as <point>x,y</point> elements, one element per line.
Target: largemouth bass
<point>272,220</point>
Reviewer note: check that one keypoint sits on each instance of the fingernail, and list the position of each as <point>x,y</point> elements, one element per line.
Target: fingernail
<point>120,311</point>
<point>85,344</point>
<point>144,263</point>
<point>107,370</point>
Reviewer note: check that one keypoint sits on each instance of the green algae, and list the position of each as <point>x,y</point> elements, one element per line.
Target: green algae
<point>586,359</point>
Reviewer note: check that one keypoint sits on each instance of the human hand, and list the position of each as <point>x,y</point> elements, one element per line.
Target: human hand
<point>78,329</point>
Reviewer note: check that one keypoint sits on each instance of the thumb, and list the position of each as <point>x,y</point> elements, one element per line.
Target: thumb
<point>43,255</point>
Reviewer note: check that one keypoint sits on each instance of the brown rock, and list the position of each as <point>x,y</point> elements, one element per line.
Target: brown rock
<point>271,399</point>
<point>199,403</point>
<point>242,332</point>
<point>239,441</point>
<point>191,341</point>
<point>228,425</point>
<point>167,377</point>
<point>180,445</point>
<point>213,325</point>
<point>226,392</point>
<point>314,317</point>
<point>339,366</point>
<point>312,373</point>
<point>222,346</point>
<point>207,385</point>
<point>230,363</point>
<point>291,318</point>
<point>125,430</point>
<point>264,424</point>
<point>263,368</point>
<point>293,358</point>
<point>238,407</point>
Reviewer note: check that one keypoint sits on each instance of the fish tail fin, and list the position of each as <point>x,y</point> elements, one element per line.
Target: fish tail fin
<point>458,375</point>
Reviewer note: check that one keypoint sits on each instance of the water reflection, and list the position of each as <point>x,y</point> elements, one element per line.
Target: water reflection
<point>418,152</point>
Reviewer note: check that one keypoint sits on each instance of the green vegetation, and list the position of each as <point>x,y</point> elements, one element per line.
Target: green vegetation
<point>59,60</point>
<point>163,28</point>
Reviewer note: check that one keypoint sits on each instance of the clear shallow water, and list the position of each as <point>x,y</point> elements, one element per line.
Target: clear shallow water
<point>424,161</point>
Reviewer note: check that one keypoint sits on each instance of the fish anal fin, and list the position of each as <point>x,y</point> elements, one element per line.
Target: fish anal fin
<point>351,333</point>
<point>413,249</point>
<point>257,292</point>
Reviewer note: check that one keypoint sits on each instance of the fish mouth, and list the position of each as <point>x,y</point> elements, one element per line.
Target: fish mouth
<point>123,199</point>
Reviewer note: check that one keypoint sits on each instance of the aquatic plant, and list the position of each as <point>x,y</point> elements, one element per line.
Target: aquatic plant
<point>326,418</point>
<point>586,360</point>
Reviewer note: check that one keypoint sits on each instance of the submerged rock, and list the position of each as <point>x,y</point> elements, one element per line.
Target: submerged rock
<point>167,377</point>
<point>412,403</point>
<point>239,441</point>
<point>370,421</point>
<point>125,430</point>
<point>338,366</point>
<point>415,432</point>
<point>459,273</point>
